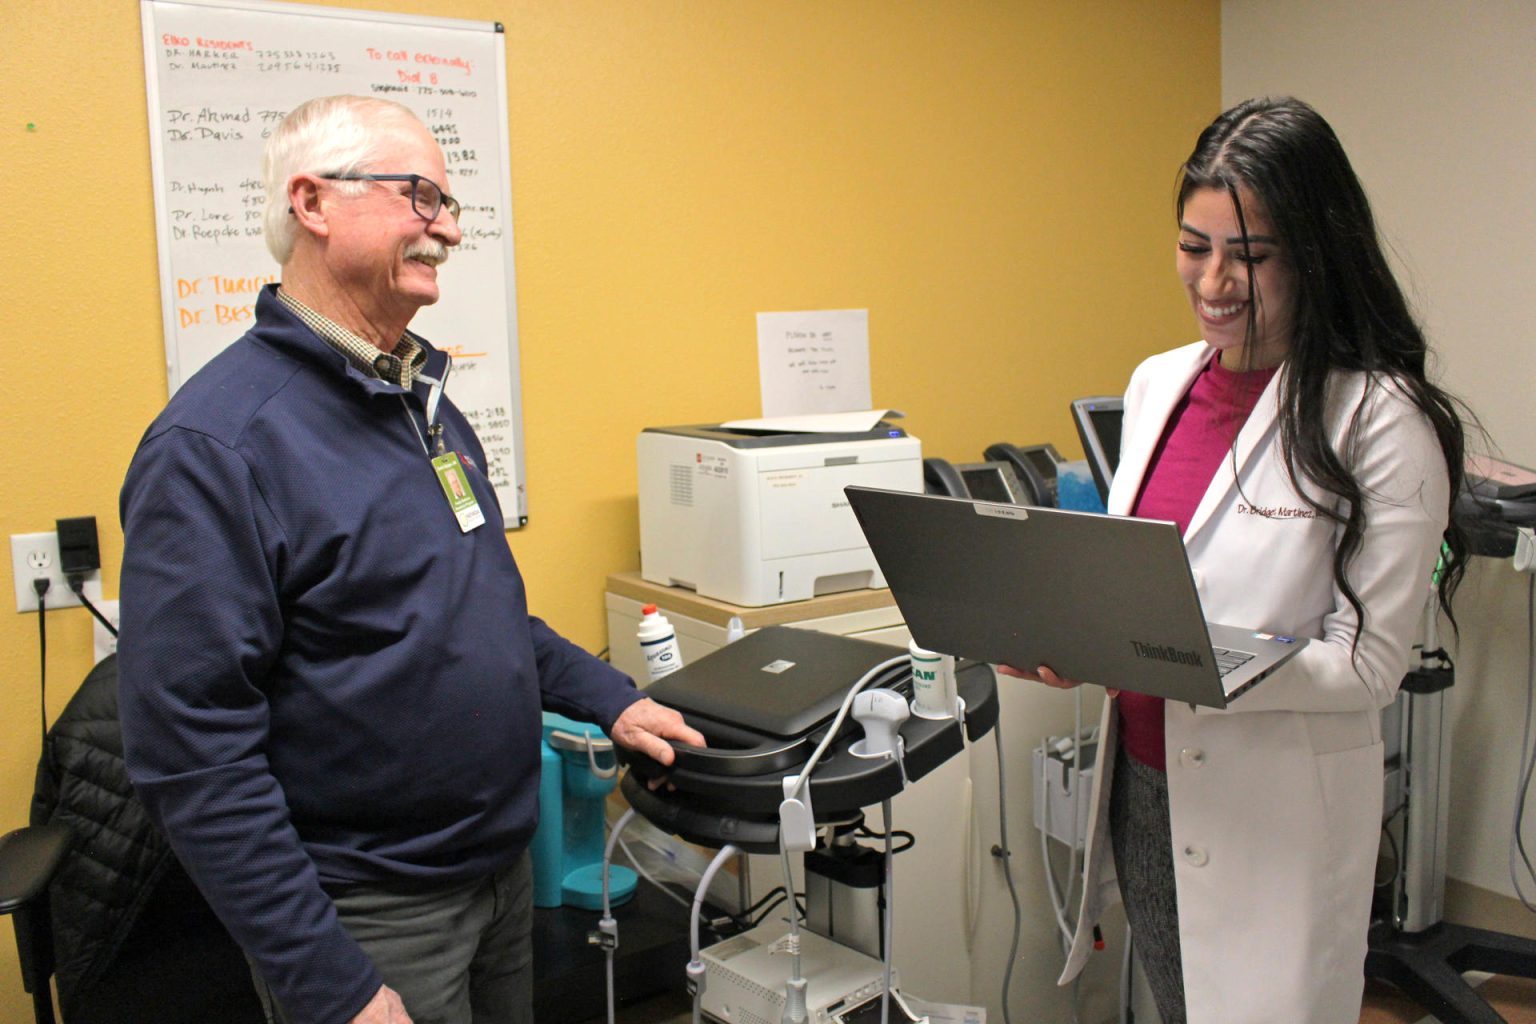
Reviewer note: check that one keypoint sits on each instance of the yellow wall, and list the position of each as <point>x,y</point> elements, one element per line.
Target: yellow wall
<point>992,180</point>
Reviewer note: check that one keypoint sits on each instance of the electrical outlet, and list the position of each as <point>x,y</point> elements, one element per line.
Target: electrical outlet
<point>36,555</point>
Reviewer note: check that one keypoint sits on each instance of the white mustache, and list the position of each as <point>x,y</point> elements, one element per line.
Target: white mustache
<point>435,253</point>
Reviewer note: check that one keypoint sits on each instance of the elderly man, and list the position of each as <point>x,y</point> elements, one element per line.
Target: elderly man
<point>331,684</point>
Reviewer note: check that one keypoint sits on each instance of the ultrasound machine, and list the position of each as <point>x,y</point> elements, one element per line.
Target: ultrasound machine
<point>805,731</point>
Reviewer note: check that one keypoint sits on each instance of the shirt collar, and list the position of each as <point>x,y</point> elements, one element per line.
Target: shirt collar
<point>399,367</point>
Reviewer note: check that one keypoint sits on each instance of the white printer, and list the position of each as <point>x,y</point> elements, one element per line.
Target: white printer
<point>756,518</point>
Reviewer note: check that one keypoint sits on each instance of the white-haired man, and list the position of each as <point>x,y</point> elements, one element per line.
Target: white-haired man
<point>330,682</point>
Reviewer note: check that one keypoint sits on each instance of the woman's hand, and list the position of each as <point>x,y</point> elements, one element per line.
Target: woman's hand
<point>1043,674</point>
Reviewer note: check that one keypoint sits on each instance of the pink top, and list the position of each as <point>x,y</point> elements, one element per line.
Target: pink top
<point>1199,435</point>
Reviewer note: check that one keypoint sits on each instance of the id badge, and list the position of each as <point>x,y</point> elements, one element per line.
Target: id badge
<point>461,497</point>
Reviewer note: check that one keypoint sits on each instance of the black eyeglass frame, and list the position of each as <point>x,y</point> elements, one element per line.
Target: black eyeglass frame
<point>444,199</point>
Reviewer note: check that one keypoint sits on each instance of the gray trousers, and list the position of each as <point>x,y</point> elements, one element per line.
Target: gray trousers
<point>1142,839</point>
<point>459,954</point>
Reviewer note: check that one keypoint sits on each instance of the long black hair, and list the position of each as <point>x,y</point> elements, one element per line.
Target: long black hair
<point>1349,312</point>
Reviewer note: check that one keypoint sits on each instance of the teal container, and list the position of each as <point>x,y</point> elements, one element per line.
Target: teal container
<point>568,845</point>
<point>547,840</point>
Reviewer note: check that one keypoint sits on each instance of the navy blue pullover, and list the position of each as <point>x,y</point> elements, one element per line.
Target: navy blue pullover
<point>323,681</point>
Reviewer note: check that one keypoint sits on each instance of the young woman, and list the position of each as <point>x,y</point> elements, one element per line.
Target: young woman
<point>1311,466</point>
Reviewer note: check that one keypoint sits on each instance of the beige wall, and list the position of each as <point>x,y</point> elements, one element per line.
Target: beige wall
<point>1434,102</point>
<point>991,180</point>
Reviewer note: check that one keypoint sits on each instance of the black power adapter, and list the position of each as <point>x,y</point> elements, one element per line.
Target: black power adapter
<point>79,549</point>
<point>80,553</point>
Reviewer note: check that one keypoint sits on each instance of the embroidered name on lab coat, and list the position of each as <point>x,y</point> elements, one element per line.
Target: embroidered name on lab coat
<point>1275,511</point>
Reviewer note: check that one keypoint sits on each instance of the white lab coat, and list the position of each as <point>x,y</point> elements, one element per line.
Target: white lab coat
<point>1276,801</point>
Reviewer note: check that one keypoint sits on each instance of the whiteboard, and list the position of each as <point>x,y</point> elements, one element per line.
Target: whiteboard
<point>221,75</point>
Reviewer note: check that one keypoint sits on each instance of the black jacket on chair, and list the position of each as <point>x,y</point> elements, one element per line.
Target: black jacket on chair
<point>133,939</point>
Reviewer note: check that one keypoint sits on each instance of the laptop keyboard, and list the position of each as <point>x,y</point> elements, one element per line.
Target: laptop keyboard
<point>1227,660</point>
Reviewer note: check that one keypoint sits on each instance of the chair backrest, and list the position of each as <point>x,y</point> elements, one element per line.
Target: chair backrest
<point>29,858</point>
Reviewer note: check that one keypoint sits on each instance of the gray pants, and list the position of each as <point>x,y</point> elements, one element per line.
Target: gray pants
<point>460,954</point>
<point>1142,839</point>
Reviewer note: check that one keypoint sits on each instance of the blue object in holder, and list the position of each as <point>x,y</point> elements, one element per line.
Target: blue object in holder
<point>577,774</point>
<point>1075,488</point>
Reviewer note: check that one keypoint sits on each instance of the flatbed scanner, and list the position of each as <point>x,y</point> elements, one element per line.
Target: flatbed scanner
<point>755,517</point>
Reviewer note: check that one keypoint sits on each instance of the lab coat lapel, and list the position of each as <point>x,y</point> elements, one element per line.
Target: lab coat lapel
<point>1252,440</point>
<point>1162,395</point>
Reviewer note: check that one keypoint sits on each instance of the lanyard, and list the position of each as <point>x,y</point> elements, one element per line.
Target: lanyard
<point>435,388</point>
<point>445,464</point>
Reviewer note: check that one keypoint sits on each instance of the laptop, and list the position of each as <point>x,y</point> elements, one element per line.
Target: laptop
<point>1100,599</point>
<point>778,681</point>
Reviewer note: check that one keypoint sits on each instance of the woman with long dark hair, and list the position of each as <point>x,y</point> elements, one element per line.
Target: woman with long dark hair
<point>1311,466</point>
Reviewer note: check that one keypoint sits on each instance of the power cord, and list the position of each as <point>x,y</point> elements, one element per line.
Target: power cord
<point>908,840</point>
<point>41,585</point>
<point>1004,854</point>
<point>77,584</point>
<point>888,883</point>
<point>758,912</point>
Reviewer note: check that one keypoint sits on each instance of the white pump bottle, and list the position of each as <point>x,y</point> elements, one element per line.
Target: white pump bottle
<point>658,643</point>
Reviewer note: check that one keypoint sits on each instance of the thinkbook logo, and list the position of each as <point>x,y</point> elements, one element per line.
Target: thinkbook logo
<point>1158,652</point>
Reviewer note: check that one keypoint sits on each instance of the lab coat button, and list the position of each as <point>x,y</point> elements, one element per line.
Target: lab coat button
<point>1192,757</point>
<point>1196,855</point>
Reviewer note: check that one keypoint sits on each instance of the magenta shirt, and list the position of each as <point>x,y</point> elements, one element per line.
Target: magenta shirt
<point>1198,436</point>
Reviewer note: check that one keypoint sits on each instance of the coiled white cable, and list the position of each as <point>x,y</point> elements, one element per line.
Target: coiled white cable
<point>837,722</point>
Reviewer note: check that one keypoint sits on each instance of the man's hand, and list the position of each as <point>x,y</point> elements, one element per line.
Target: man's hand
<point>645,727</point>
<point>384,1008</point>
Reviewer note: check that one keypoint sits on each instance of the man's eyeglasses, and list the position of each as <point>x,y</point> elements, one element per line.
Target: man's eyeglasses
<point>427,197</point>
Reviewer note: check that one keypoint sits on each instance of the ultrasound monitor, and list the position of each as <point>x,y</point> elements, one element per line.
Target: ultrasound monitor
<point>1098,427</point>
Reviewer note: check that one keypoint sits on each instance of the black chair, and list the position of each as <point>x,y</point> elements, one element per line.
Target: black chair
<point>29,857</point>
<point>99,903</point>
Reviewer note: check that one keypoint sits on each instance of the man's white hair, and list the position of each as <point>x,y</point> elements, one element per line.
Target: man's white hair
<point>327,135</point>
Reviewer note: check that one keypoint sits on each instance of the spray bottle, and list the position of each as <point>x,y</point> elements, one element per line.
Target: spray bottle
<point>658,643</point>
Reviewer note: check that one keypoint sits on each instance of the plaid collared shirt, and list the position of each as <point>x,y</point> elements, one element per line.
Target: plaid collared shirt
<point>397,367</point>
